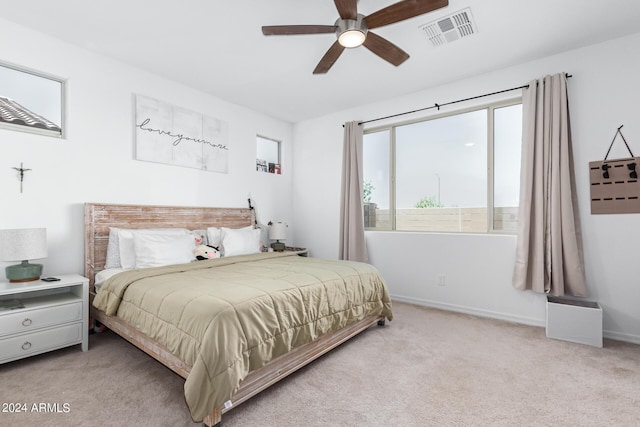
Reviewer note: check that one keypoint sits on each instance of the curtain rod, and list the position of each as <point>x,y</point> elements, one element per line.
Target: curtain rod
<point>447,103</point>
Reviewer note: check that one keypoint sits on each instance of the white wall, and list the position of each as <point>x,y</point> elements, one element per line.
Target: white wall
<point>95,163</point>
<point>478,268</point>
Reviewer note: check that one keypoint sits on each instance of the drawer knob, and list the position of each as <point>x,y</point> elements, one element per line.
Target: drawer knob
<point>27,322</point>
<point>26,345</point>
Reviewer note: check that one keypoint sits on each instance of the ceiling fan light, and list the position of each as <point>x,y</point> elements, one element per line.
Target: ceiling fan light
<point>351,38</point>
<point>351,32</point>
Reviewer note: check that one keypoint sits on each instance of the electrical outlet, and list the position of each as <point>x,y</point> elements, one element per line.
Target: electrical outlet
<point>441,280</point>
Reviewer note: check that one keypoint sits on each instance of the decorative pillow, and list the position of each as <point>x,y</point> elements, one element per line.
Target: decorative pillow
<point>200,237</point>
<point>203,252</point>
<point>214,235</point>
<point>264,236</point>
<point>127,247</point>
<point>113,249</point>
<point>156,250</point>
<point>240,241</point>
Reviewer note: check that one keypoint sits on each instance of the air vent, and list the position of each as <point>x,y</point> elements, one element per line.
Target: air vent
<point>450,28</point>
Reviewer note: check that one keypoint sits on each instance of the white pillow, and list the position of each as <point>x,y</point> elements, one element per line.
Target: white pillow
<point>103,275</point>
<point>214,235</point>
<point>156,250</point>
<point>126,242</point>
<point>240,241</point>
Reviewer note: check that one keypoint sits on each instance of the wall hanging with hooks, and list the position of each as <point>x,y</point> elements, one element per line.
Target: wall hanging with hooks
<point>614,183</point>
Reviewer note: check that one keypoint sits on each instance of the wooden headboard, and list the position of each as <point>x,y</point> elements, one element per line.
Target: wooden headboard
<point>99,217</point>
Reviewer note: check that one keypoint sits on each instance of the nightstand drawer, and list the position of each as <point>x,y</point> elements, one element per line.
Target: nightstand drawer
<point>28,320</point>
<point>24,345</point>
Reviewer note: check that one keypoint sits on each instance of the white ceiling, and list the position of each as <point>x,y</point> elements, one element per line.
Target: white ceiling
<point>217,47</point>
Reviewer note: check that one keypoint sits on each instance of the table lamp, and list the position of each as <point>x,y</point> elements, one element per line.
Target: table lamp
<point>23,244</point>
<point>277,232</point>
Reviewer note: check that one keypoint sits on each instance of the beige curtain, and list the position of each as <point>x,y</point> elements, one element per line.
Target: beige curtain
<point>549,249</point>
<point>352,242</point>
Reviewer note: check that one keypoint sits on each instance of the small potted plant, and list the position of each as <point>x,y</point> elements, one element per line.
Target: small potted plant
<point>369,207</point>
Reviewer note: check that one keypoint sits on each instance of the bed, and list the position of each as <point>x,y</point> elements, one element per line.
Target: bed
<point>281,311</point>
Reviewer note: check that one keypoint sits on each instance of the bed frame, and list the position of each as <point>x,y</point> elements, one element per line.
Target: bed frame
<point>98,219</point>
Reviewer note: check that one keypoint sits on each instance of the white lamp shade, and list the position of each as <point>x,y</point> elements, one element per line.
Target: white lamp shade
<point>278,231</point>
<point>23,244</point>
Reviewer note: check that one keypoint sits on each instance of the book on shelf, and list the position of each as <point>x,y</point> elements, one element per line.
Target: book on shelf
<point>261,165</point>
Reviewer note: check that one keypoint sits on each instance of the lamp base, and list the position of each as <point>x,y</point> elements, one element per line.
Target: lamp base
<point>278,246</point>
<point>23,272</point>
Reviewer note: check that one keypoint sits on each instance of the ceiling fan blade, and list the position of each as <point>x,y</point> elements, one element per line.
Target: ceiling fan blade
<point>403,10</point>
<point>385,49</point>
<point>288,30</point>
<point>329,58</point>
<point>348,9</point>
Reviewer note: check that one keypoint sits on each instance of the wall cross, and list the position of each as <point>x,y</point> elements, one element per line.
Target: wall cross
<point>22,170</point>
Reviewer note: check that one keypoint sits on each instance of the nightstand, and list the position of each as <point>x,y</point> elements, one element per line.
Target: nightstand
<point>300,251</point>
<point>36,317</point>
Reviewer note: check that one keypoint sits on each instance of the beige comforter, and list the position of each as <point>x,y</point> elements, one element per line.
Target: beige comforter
<point>226,317</point>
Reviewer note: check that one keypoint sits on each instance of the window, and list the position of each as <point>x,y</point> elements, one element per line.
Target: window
<point>268,155</point>
<point>377,178</point>
<point>31,102</point>
<point>454,173</point>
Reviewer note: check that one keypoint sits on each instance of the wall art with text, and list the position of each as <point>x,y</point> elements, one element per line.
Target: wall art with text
<point>176,136</point>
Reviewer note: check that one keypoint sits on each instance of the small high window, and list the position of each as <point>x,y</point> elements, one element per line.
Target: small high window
<point>31,102</point>
<point>268,155</point>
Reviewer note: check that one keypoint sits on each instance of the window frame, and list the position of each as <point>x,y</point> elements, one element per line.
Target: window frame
<point>260,138</point>
<point>391,127</point>
<point>63,113</point>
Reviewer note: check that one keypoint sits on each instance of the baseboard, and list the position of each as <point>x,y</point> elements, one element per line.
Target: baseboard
<point>620,336</point>
<point>617,336</point>
<point>473,311</point>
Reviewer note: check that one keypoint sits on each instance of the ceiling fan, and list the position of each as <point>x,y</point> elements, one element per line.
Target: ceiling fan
<point>352,29</point>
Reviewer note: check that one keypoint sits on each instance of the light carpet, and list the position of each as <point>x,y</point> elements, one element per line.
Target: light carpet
<point>426,368</point>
